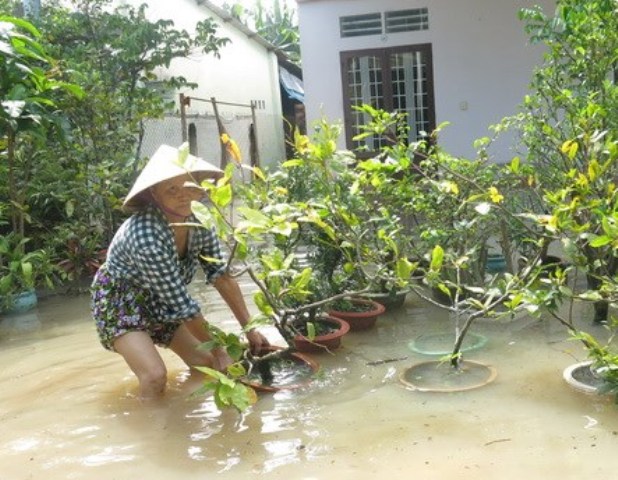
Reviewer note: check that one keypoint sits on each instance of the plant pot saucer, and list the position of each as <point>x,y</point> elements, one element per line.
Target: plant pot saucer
<point>296,376</point>
<point>442,343</point>
<point>580,377</point>
<point>441,377</point>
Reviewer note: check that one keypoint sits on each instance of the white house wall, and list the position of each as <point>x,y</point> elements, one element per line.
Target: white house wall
<point>246,71</point>
<point>482,61</point>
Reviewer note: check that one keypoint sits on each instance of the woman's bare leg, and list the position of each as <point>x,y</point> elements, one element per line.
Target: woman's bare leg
<point>141,355</point>
<point>185,345</point>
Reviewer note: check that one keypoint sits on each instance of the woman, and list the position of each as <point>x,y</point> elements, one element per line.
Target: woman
<point>139,295</point>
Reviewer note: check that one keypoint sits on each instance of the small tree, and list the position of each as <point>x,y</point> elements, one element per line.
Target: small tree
<point>573,104</point>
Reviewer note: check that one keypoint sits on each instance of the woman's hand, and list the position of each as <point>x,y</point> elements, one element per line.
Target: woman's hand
<point>221,359</point>
<point>257,341</point>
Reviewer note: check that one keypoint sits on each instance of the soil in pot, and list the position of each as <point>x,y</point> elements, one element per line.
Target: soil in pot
<point>437,376</point>
<point>290,371</point>
<point>328,333</point>
<point>360,313</point>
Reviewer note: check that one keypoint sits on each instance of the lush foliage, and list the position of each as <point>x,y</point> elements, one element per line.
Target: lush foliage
<point>569,126</point>
<point>67,170</point>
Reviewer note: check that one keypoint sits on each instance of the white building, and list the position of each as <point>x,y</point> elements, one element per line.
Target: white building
<point>247,72</point>
<point>466,62</point>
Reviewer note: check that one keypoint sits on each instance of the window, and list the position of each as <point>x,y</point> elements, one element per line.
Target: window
<point>378,23</point>
<point>393,79</point>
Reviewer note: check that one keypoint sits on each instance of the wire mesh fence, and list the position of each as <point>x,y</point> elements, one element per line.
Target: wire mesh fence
<point>202,128</point>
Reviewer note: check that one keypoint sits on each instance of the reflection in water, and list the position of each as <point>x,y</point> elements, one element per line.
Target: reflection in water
<point>68,409</point>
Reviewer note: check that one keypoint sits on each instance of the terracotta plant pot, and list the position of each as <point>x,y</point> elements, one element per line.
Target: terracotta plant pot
<point>288,379</point>
<point>360,320</point>
<point>326,342</point>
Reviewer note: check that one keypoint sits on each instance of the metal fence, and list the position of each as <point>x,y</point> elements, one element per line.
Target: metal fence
<point>202,128</point>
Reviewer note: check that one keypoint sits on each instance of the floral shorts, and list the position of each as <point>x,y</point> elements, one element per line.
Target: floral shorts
<point>119,307</point>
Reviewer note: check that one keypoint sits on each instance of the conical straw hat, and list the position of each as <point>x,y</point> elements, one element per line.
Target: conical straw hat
<point>168,162</point>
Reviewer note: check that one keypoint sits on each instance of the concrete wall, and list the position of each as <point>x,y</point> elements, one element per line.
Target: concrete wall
<point>247,71</point>
<point>482,61</point>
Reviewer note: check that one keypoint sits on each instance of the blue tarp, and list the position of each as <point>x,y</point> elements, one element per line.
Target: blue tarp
<point>292,85</point>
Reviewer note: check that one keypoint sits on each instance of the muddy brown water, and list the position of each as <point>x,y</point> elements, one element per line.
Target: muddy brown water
<point>68,409</point>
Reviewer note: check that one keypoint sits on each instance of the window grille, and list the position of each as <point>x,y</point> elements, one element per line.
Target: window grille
<point>390,22</point>
<point>360,25</point>
<point>406,20</point>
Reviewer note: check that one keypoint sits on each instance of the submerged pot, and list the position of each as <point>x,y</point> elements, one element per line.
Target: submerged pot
<point>438,376</point>
<point>297,372</point>
<point>582,378</point>
<point>331,340</point>
<point>360,320</point>
<point>20,302</point>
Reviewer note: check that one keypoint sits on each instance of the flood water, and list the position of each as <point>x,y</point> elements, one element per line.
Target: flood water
<point>68,409</point>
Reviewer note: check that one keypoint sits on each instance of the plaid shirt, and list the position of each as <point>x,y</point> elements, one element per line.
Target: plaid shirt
<point>143,252</point>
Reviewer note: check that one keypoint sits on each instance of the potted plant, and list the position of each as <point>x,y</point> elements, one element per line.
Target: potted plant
<point>20,272</point>
<point>457,209</point>
<point>356,242</point>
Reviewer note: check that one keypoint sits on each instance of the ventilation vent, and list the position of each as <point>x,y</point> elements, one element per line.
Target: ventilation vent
<point>406,20</point>
<point>360,25</point>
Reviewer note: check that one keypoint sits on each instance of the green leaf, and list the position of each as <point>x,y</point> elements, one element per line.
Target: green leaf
<point>292,163</point>
<point>222,196</point>
<point>437,258</point>
<point>254,217</point>
<point>311,332</point>
<point>262,304</point>
<point>203,214</point>
<point>403,269</point>
<point>237,370</point>
<point>301,281</point>
<point>600,241</point>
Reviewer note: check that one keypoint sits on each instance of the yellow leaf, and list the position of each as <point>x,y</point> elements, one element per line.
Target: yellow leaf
<point>495,195</point>
<point>569,148</point>
<point>552,224</point>
<point>593,170</point>
<point>582,180</point>
<point>231,147</point>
